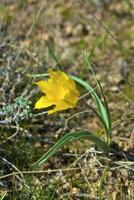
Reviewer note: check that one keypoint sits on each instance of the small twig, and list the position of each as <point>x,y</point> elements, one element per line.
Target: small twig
<point>84,95</point>
<point>88,93</point>
<point>126,97</point>
<point>83,171</point>
<point>38,172</point>
<point>15,173</point>
<point>16,132</point>
<point>75,115</point>
<point>39,114</point>
<point>5,122</point>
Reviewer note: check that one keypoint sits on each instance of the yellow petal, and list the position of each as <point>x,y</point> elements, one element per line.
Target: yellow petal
<point>43,85</point>
<point>43,102</point>
<point>54,90</point>
<point>58,76</point>
<point>61,105</point>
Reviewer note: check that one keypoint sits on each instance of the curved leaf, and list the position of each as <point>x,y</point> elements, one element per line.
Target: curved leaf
<point>101,109</point>
<point>70,137</point>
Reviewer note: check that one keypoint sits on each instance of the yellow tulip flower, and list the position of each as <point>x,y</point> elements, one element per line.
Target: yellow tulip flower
<point>60,90</point>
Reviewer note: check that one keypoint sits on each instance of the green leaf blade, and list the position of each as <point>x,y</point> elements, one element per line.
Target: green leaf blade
<point>70,137</point>
<point>101,109</point>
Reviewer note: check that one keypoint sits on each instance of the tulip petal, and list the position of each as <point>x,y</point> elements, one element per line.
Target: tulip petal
<point>61,105</point>
<point>43,85</point>
<point>43,102</point>
<point>58,76</point>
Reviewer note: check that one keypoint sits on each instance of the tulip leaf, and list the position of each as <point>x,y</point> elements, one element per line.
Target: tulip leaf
<point>89,63</point>
<point>102,111</point>
<point>68,138</point>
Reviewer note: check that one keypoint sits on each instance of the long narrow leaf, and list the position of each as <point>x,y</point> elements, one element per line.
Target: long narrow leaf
<point>51,51</point>
<point>98,41</point>
<point>101,109</point>
<point>70,137</point>
<point>108,117</point>
<point>106,106</point>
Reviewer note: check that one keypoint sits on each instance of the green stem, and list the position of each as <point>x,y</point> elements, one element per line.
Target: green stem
<point>102,179</point>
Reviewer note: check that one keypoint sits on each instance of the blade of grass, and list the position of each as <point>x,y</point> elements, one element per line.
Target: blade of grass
<point>98,41</point>
<point>101,109</point>
<point>102,179</point>
<point>106,116</point>
<point>52,54</point>
<point>71,137</point>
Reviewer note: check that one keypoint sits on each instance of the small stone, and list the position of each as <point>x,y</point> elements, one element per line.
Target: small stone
<point>124,173</point>
<point>74,190</point>
<point>78,30</point>
<point>109,174</point>
<point>114,89</point>
<point>37,145</point>
<point>43,36</point>
<point>66,185</point>
<point>115,78</point>
<point>68,30</point>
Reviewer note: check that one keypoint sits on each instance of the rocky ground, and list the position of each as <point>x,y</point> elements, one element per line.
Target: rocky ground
<point>38,35</point>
